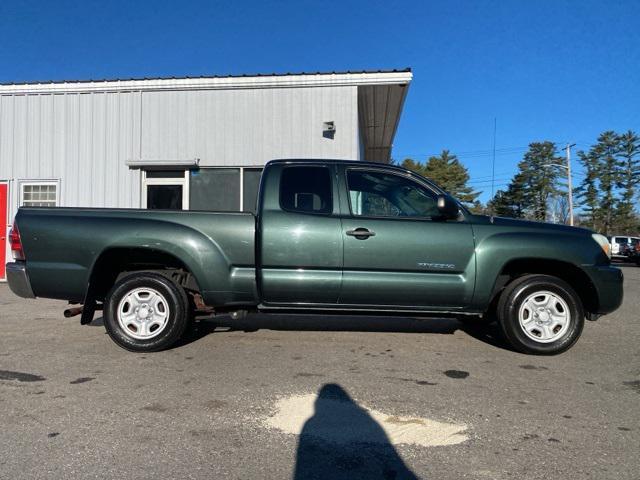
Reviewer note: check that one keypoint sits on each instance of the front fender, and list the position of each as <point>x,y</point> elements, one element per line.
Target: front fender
<point>495,251</point>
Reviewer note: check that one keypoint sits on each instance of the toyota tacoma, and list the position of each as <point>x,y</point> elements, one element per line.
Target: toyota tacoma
<point>337,237</point>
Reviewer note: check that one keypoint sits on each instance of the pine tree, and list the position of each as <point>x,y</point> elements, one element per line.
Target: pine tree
<point>512,202</point>
<point>448,173</point>
<point>414,166</point>
<point>502,206</point>
<point>540,177</point>
<point>598,189</point>
<point>629,165</point>
<point>608,192</point>
<point>478,208</point>
<point>534,186</point>
<point>588,193</point>
<point>607,149</point>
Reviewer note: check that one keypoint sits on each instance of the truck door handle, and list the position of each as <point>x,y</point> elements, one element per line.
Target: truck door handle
<point>361,233</point>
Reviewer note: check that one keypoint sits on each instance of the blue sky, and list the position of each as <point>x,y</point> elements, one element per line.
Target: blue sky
<point>547,70</point>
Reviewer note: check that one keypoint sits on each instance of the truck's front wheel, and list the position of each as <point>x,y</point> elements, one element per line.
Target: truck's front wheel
<point>540,314</point>
<point>145,312</point>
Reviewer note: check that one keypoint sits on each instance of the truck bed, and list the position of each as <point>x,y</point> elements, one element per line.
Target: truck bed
<point>63,244</point>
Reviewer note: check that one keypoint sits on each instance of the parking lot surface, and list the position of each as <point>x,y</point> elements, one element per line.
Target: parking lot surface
<point>373,398</point>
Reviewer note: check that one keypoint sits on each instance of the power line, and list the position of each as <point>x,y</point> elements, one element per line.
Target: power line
<point>499,151</point>
<point>474,153</point>
<point>488,182</point>
<point>462,155</point>
<point>498,186</point>
<point>497,173</point>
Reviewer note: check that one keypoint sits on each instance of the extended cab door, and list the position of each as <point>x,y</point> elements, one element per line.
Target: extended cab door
<point>299,235</point>
<point>396,251</point>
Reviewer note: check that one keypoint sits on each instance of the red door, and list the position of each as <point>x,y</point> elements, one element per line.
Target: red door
<point>3,228</point>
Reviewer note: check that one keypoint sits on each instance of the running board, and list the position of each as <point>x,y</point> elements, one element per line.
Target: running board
<point>364,311</point>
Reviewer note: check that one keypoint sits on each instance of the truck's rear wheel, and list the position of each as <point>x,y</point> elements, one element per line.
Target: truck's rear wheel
<point>146,312</point>
<point>540,314</point>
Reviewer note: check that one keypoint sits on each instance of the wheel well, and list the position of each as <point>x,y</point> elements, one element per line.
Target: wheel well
<point>114,263</point>
<point>568,272</point>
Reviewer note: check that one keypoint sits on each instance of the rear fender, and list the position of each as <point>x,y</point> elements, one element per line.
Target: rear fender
<point>200,255</point>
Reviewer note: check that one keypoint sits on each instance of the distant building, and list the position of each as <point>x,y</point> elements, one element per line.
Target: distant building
<point>183,143</point>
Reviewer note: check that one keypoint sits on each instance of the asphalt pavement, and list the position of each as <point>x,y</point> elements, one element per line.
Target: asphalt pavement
<point>373,398</point>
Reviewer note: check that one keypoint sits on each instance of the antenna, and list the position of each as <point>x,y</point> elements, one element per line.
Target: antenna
<point>493,162</point>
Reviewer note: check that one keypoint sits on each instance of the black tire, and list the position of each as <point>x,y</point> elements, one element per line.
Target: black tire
<point>511,301</point>
<point>175,306</point>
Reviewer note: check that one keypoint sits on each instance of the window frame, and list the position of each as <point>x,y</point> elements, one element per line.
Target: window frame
<point>29,183</point>
<point>387,172</point>
<point>182,181</point>
<point>332,190</point>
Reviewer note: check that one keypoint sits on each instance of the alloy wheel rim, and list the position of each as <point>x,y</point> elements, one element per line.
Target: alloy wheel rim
<point>143,313</point>
<point>544,316</point>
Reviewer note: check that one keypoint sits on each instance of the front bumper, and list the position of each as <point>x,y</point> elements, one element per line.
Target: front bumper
<point>608,282</point>
<point>19,280</point>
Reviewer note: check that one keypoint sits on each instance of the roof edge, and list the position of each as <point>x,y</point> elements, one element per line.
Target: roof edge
<point>303,79</point>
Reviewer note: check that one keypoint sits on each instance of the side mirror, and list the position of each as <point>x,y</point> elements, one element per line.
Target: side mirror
<point>448,207</point>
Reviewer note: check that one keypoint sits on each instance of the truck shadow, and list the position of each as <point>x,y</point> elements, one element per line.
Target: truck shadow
<point>489,334</point>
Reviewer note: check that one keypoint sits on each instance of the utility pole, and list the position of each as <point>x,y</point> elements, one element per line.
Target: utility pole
<point>569,182</point>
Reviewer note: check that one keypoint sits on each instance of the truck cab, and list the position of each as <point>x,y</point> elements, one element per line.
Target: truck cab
<point>348,233</point>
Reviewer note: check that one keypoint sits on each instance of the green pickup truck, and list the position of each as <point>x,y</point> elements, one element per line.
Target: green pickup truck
<point>338,237</point>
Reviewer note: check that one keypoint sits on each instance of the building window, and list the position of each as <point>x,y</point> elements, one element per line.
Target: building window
<point>215,189</point>
<point>224,189</point>
<point>164,197</point>
<point>38,194</point>
<point>165,189</point>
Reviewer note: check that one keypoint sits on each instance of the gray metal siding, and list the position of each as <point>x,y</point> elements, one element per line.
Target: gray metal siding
<point>248,126</point>
<point>82,140</point>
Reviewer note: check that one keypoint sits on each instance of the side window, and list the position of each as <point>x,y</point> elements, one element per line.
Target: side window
<point>306,189</point>
<point>380,194</point>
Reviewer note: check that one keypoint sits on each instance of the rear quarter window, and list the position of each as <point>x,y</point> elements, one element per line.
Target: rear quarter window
<point>306,189</point>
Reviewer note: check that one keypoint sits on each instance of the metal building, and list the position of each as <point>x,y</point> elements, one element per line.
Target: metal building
<point>187,143</point>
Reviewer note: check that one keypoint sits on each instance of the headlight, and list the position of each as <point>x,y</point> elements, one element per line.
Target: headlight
<point>603,242</point>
